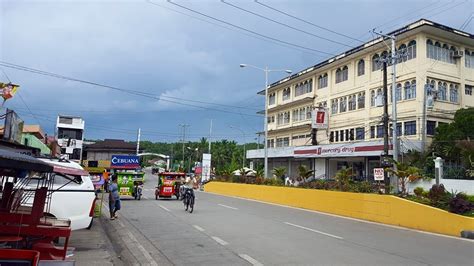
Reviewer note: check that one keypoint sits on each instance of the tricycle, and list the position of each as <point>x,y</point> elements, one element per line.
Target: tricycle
<point>169,184</point>
<point>130,183</point>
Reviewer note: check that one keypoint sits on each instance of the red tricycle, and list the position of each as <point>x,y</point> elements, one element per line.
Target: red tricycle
<point>168,184</point>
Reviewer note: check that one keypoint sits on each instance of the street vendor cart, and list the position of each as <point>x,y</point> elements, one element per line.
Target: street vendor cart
<point>168,184</point>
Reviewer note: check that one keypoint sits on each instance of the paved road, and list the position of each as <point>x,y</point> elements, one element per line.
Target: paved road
<point>229,231</point>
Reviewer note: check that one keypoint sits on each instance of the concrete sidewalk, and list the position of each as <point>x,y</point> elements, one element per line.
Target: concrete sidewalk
<point>93,247</point>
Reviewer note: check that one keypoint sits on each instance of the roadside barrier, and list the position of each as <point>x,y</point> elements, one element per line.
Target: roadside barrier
<point>384,209</point>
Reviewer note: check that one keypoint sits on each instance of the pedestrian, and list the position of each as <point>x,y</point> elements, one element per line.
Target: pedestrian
<point>114,198</point>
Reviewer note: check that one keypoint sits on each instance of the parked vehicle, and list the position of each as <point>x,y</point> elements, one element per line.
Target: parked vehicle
<point>73,197</point>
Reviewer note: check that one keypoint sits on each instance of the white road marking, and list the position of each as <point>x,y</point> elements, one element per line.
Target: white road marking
<point>345,217</point>
<point>225,206</point>
<point>147,255</point>
<point>313,230</point>
<point>198,228</point>
<point>220,241</point>
<point>164,208</point>
<point>250,260</point>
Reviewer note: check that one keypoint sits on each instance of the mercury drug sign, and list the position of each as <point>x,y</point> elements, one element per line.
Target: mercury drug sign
<point>125,161</point>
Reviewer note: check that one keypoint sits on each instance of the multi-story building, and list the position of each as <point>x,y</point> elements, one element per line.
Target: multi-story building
<point>70,135</point>
<point>349,85</point>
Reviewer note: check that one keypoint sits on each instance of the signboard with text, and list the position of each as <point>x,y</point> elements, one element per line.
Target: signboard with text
<point>125,162</point>
<point>379,174</point>
<point>319,118</point>
<point>206,166</point>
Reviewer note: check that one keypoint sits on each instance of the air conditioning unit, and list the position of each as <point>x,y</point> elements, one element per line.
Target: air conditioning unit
<point>457,54</point>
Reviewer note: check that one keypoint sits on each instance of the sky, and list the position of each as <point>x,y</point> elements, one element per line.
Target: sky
<point>185,63</point>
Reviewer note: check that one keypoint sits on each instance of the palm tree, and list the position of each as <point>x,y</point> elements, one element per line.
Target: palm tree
<point>343,176</point>
<point>279,172</point>
<point>405,173</point>
<point>304,172</point>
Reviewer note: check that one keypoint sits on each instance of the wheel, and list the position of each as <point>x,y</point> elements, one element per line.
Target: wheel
<point>90,224</point>
<point>191,204</point>
<point>139,196</point>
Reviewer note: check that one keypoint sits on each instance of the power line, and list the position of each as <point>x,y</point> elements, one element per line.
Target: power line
<point>133,92</point>
<point>307,22</point>
<point>283,24</point>
<point>231,29</point>
<point>466,23</point>
<point>250,31</point>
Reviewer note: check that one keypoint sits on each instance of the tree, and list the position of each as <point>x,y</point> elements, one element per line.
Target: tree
<point>279,172</point>
<point>304,172</point>
<point>343,177</point>
<point>405,173</point>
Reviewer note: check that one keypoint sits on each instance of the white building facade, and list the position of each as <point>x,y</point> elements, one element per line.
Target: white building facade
<point>347,86</point>
<point>70,135</point>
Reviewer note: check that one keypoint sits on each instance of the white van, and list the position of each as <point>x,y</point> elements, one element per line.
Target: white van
<point>75,197</point>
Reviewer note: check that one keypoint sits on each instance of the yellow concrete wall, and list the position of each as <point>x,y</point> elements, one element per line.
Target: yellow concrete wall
<point>372,207</point>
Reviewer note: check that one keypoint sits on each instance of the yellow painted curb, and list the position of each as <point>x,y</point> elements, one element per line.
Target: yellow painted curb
<point>371,207</point>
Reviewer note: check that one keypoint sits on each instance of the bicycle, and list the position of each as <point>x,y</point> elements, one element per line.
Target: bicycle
<point>188,200</point>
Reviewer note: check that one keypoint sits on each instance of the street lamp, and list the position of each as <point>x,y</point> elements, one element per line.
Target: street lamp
<point>265,122</point>
<point>245,147</point>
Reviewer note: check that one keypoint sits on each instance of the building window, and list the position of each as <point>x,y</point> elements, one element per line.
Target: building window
<point>331,136</point>
<point>296,115</point>
<point>342,74</point>
<point>411,50</point>
<point>334,106</point>
<point>402,50</point>
<point>379,96</point>
<point>65,120</point>
<point>410,128</point>
<point>469,59</point>
<point>376,65</point>
<point>361,100</point>
<point>286,118</point>
<point>399,129</point>
<point>372,132</point>
<point>342,104</point>
<point>410,90</point>
<point>337,136</point>
<point>360,133</point>
<point>352,102</point>
<point>302,113</point>
<point>271,143</point>
<point>271,98</point>
<point>440,52</point>
<point>380,131</point>
<point>309,111</point>
<point>468,90</point>
<point>453,93</point>
<point>372,98</point>
<point>271,119</point>
<point>398,92</point>
<point>283,142</point>
<point>304,88</point>
<point>341,135</point>
<point>361,67</point>
<point>442,91</point>
<point>287,93</point>
<point>430,127</point>
<point>323,81</point>
<point>351,134</point>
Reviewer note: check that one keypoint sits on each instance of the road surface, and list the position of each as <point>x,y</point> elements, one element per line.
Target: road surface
<point>230,231</point>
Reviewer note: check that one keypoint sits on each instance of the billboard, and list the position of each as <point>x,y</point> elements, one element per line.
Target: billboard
<point>125,162</point>
<point>206,166</point>
<point>13,127</point>
<point>319,118</point>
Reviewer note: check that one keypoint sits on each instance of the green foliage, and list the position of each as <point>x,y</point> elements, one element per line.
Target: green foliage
<point>343,176</point>
<point>279,172</point>
<point>304,172</point>
<point>438,196</point>
<point>405,173</point>
<point>273,182</point>
<point>418,191</point>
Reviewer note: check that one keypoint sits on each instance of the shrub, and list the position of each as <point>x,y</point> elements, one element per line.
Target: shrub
<point>235,179</point>
<point>273,182</point>
<point>438,196</point>
<point>362,187</point>
<point>460,204</point>
<point>419,191</point>
<point>259,180</point>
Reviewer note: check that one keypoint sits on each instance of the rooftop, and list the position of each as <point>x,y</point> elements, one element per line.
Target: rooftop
<point>111,144</point>
<point>409,27</point>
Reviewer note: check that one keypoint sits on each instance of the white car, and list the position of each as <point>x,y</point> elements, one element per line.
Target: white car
<point>75,197</point>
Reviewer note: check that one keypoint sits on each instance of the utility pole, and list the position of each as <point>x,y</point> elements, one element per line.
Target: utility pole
<point>184,137</point>
<point>138,141</point>
<point>423,119</point>
<point>385,124</point>
<point>210,134</point>
<point>395,144</point>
